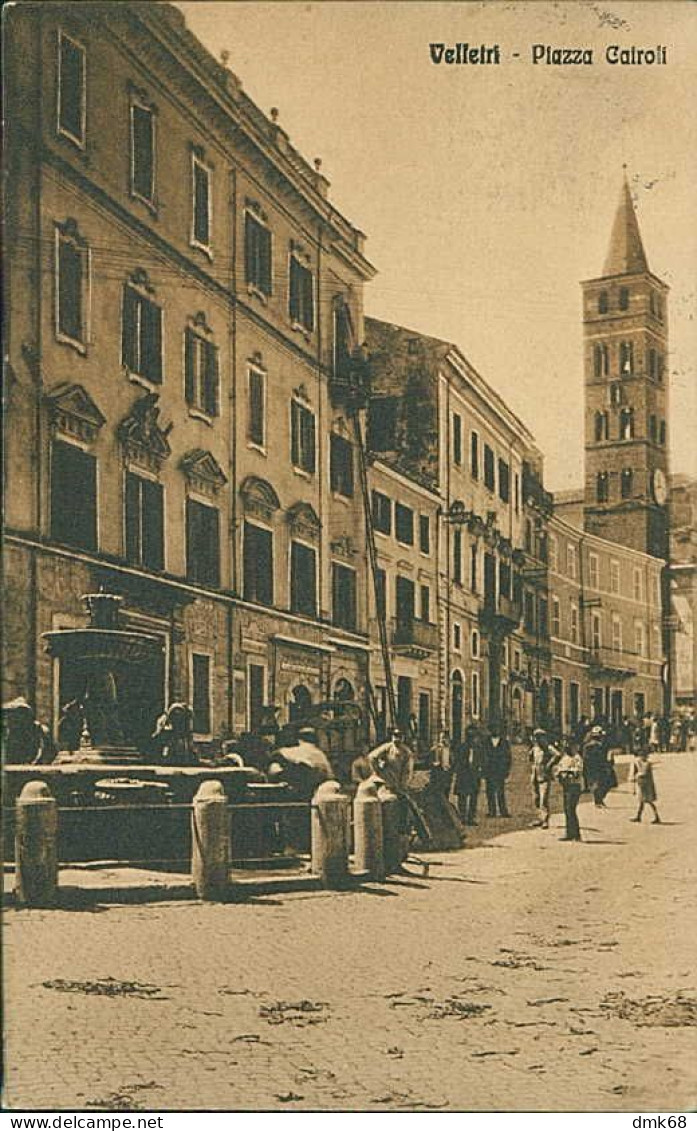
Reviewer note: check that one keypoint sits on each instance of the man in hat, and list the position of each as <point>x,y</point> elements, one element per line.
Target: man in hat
<point>596,765</point>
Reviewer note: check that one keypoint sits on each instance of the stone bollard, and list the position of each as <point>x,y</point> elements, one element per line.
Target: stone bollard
<point>329,834</point>
<point>391,829</point>
<point>36,846</point>
<point>210,841</point>
<point>367,830</point>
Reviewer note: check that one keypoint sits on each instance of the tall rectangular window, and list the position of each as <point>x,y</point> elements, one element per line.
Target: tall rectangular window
<point>504,481</point>
<point>256,692</point>
<point>595,631</point>
<point>425,604</point>
<point>639,638</point>
<point>405,600</point>
<point>556,617</point>
<point>202,543</point>
<point>201,693</point>
<point>457,556</point>
<point>573,624</point>
<point>256,408</point>
<point>341,465</point>
<point>141,336</point>
<point>71,88</point>
<point>424,534</point>
<point>571,560</point>
<point>382,512</point>
<point>489,468</point>
<point>257,254</point>
<point>303,579</point>
<point>593,571</point>
<point>301,302</point>
<point>381,592</point>
<point>474,563</point>
<point>457,438</point>
<point>614,577</point>
<point>201,204</point>
<point>257,564</point>
<point>73,496</point>
<point>616,633</point>
<point>638,584</point>
<point>201,373</point>
<point>474,455</point>
<point>404,524</point>
<point>302,437</point>
<point>143,152</point>
<point>145,541</point>
<point>344,608</point>
<point>71,272</point>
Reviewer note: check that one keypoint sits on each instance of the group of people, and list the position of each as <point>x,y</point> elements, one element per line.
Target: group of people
<point>482,758</point>
<point>657,733</point>
<point>588,766</point>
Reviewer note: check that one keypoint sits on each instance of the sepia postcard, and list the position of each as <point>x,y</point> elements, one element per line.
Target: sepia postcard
<point>350,560</point>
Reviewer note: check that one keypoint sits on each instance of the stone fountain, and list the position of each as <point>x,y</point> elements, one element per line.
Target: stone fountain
<point>104,649</point>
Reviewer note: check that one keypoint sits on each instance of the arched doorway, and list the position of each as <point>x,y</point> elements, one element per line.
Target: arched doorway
<point>300,703</point>
<point>457,703</point>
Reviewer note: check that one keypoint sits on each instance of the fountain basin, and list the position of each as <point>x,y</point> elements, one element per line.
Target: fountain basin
<point>101,644</point>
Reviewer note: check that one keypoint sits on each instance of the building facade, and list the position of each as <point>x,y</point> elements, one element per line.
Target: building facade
<point>683,590</point>
<point>181,298</point>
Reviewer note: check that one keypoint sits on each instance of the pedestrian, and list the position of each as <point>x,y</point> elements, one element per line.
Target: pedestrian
<point>569,771</point>
<point>25,739</point>
<point>463,783</point>
<point>543,757</point>
<point>642,776</point>
<point>441,764</point>
<point>596,766</point>
<point>497,767</point>
<point>654,735</point>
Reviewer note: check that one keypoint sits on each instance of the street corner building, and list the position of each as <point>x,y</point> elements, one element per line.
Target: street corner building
<point>304,505</point>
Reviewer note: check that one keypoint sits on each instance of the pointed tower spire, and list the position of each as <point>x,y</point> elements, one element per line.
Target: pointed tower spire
<point>626,255</point>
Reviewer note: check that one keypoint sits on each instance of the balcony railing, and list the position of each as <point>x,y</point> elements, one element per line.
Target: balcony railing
<point>415,634</point>
<point>503,616</point>
<point>602,658</point>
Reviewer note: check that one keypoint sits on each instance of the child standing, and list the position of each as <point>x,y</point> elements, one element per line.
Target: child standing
<point>642,775</point>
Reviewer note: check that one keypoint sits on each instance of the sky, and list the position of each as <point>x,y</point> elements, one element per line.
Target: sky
<point>487,193</point>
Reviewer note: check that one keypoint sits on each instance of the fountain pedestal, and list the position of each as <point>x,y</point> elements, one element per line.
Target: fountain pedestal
<point>103,649</point>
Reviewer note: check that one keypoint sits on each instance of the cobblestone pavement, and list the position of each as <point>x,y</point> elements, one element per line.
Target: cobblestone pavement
<point>526,974</point>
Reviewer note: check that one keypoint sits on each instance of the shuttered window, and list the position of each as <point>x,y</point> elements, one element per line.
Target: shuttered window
<point>256,408</point>
<point>382,512</point>
<point>70,270</point>
<point>257,254</point>
<point>144,522</point>
<point>201,227</point>
<point>141,336</point>
<point>303,579</point>
<point>404,524</point>
<point>143,152</point>
<point>71,88</point>
<point>504,481</point>
<point>201,378</point>
<point>343,596</point>
<point>301,295</point>
<point>302,437</point>
<point>73,496</point>
<point>202,543</point>
<point>489,468</point>
<point>341,466</point>
<point>258,564</point>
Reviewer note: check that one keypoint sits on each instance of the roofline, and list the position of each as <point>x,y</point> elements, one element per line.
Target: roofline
<point>584,535</point>
<point>626,275</point>
<point>217,81</point>
<point>454,355</point>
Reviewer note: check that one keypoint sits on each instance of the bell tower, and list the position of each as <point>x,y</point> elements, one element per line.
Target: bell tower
<point>626,394</point>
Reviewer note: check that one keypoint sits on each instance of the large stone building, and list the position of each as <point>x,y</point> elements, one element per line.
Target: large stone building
<point>437,425</point>
<point>683,590</point>
<point>182,301</point>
